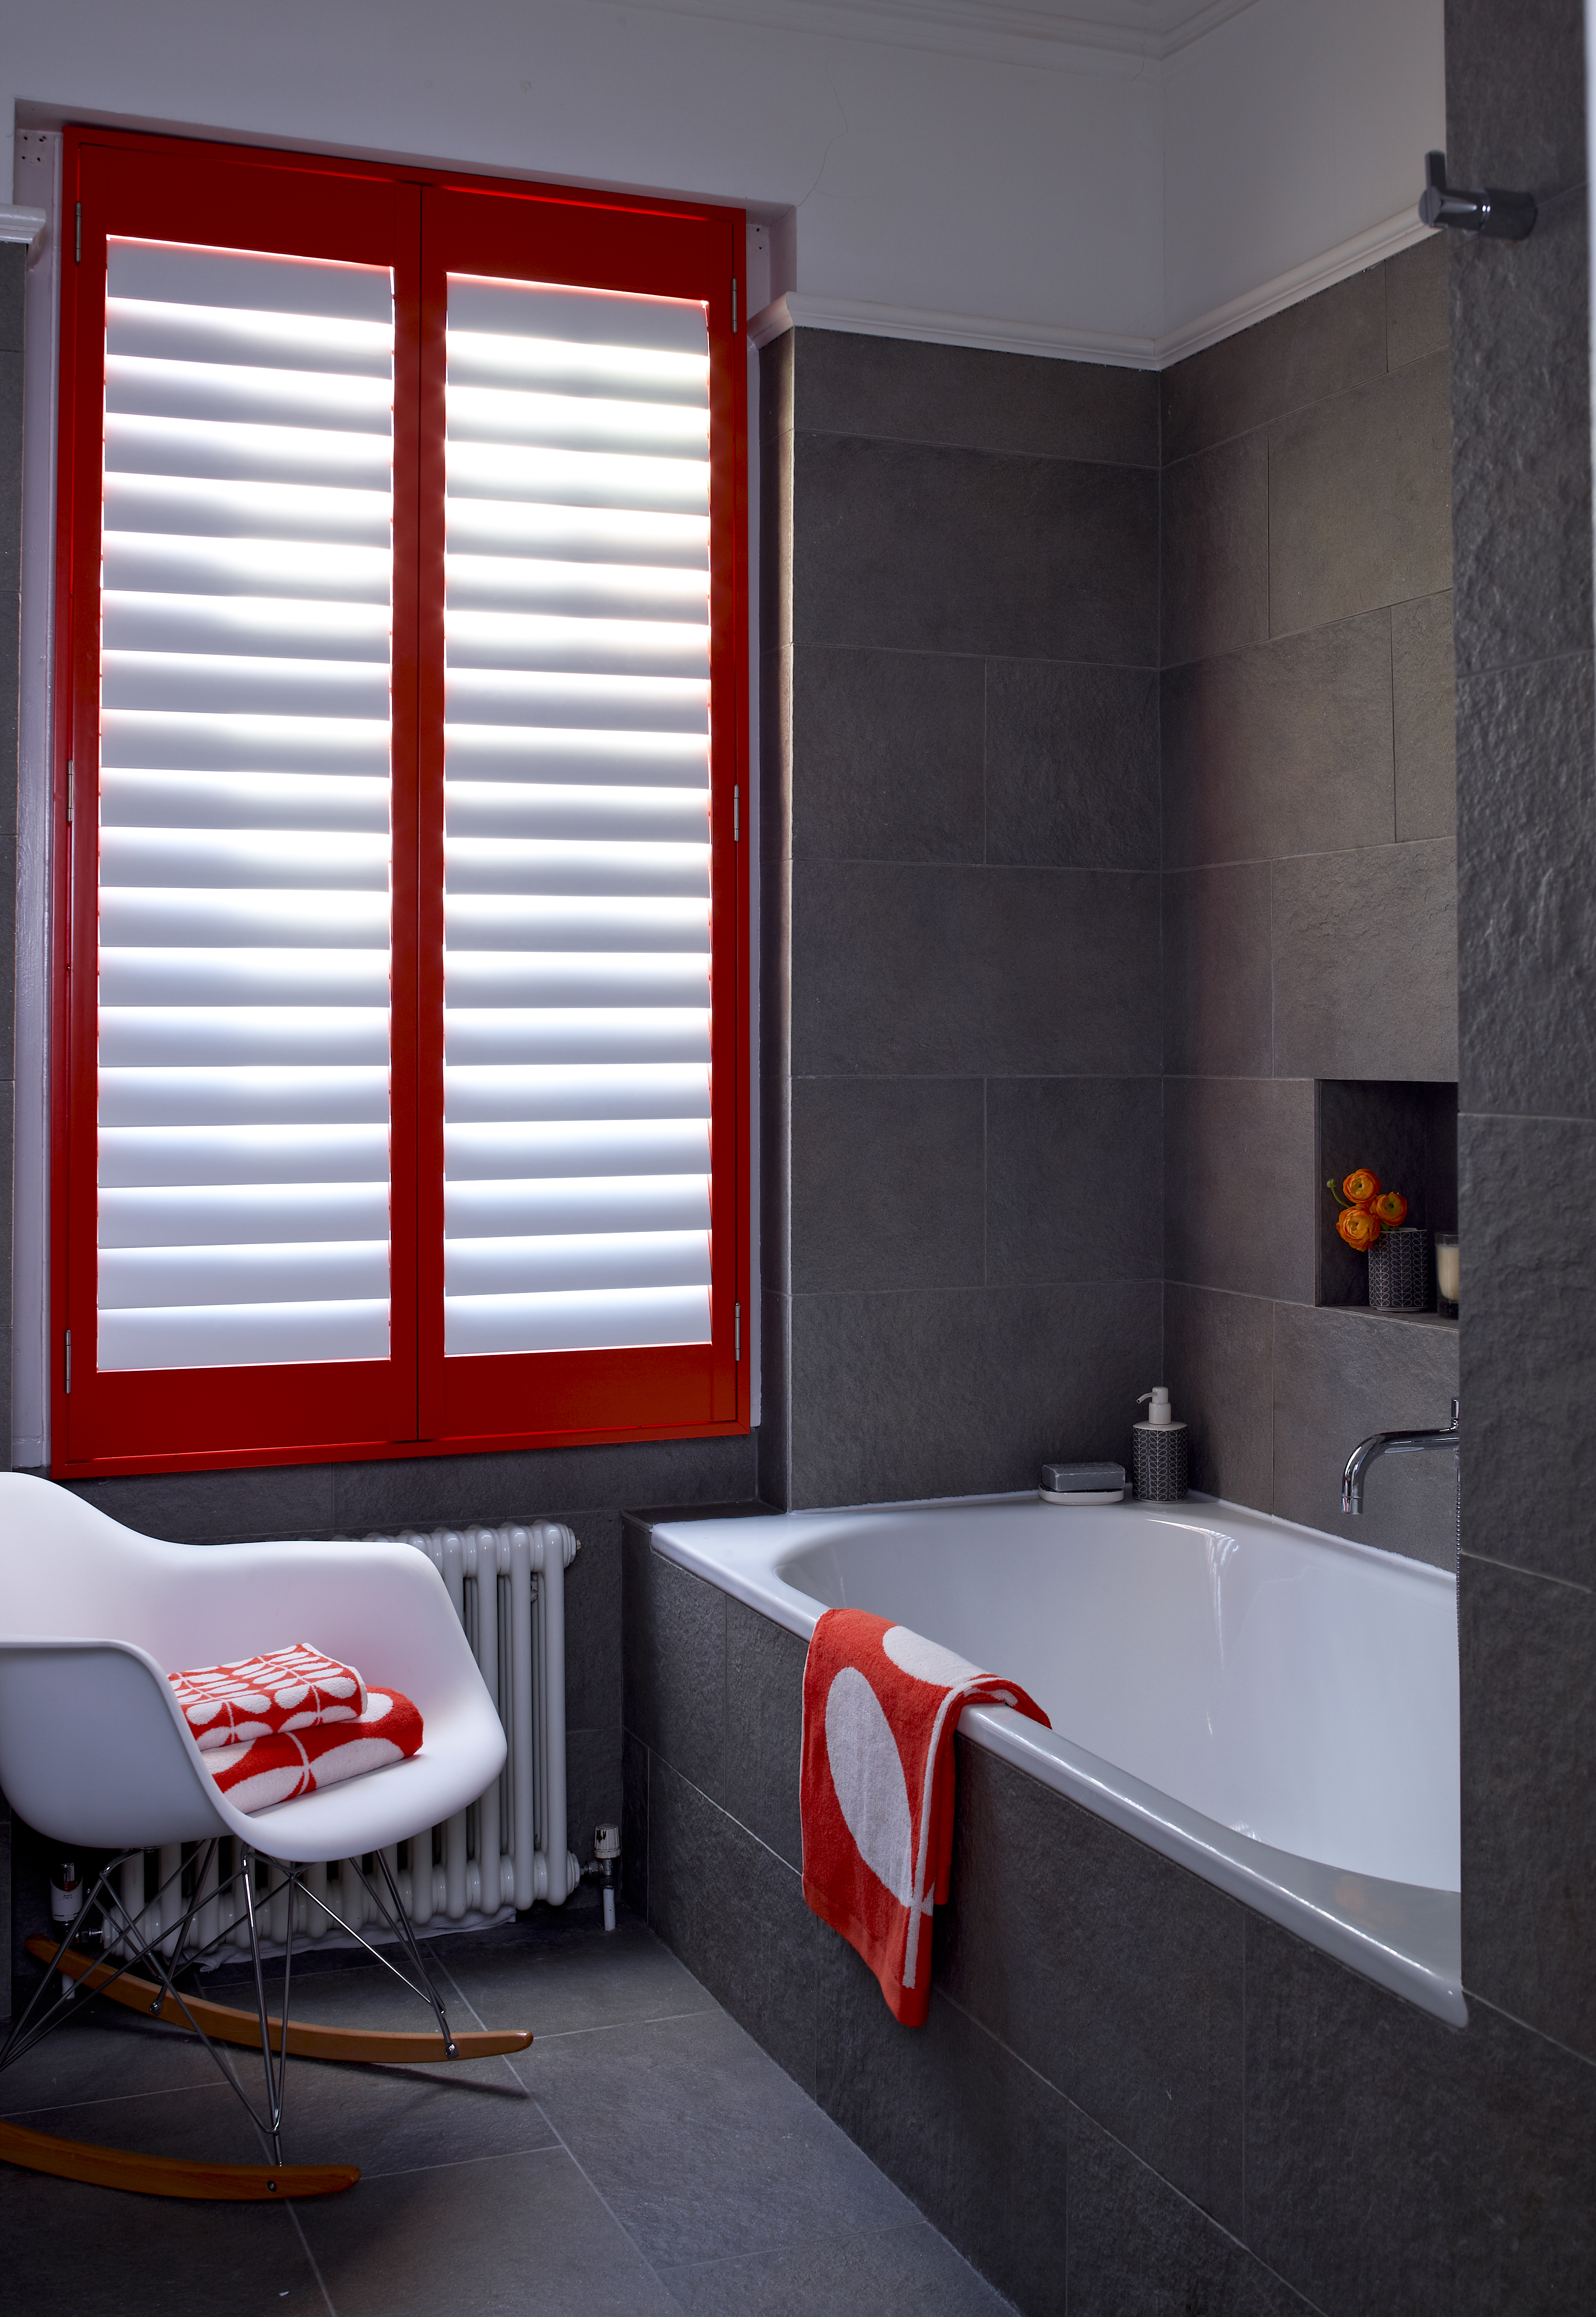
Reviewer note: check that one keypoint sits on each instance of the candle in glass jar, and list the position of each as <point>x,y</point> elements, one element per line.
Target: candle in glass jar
<point>1446,1266</point>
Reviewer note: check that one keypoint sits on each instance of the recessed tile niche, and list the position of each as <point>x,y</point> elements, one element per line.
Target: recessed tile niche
<point>1406,1130</point>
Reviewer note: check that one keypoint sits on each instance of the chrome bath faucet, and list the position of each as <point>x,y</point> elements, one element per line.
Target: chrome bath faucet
<point>1390,1444</point>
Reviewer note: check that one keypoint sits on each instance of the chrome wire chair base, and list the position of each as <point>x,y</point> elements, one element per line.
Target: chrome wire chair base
<point>126,1953</point>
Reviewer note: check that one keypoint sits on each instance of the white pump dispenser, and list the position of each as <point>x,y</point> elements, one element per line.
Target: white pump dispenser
<point>1160,1412</point>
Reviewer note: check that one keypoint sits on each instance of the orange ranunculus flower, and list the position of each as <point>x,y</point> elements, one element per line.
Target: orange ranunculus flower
<point>1361,1187</point>
<point>1358,1228</point>
<point>1390,1207</point>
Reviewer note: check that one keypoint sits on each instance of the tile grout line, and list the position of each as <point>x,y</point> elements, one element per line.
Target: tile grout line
<point>310,2257</point>
<point>580,2168</point>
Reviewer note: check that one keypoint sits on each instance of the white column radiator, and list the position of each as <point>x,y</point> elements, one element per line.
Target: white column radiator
<point>508,1587</point>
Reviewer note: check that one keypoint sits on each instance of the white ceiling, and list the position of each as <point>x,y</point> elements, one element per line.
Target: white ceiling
<point>1147,30</point>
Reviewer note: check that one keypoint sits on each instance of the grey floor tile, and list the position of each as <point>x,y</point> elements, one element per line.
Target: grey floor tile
<point>702,2145</point>
<point>201,2123</point>
<point>495,2238</point>
<point>111,2255</point>
<point>94,2058</point>
<point>557,1991</point>
<point>401,2119</point>
<point>904,2268</point>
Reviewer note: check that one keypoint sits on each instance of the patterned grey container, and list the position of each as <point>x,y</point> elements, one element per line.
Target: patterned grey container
<point>1159,1454</point>
<point>1399,1271</point>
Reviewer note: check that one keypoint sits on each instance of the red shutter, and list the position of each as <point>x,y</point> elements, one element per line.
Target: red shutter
<point>127,1410</point>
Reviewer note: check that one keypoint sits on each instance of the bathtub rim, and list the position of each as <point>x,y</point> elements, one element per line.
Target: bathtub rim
<point>1405,1936</point>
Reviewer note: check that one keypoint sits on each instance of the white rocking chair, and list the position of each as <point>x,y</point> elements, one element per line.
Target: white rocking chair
<point>95,1753</point>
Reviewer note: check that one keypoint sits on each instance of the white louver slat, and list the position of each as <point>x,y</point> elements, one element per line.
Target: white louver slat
<point>576,962</point>
<point>245,913</point>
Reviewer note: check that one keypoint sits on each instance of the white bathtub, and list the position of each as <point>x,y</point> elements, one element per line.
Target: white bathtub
<point>1274,1708</point>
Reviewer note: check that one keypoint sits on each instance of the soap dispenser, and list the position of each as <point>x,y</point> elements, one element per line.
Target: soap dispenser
<point>1160,1451</point>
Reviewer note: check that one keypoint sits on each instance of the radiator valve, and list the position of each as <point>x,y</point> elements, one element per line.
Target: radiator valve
<point>606,1852</point>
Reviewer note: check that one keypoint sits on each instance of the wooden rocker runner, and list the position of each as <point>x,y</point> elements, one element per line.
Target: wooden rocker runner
<point>95,1755</point>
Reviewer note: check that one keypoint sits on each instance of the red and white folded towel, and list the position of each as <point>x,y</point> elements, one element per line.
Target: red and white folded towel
<point>285,1763</point>
<point>296,1688</point>
<point>880,1707</point>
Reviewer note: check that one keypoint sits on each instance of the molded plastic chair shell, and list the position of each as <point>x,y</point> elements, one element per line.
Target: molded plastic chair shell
<point>93,1749</point>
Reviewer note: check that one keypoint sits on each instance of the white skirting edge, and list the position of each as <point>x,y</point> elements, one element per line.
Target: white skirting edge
<point>19,225</point>
<point>812,310</point>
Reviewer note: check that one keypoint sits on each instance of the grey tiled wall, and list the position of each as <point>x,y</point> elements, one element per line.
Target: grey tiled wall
<point>1527,1095</point>
<point>963,1230</point>
<point>1133,2094</point>
<point>1309,910</point>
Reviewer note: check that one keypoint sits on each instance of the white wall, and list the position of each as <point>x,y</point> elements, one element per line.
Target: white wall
<point>1294,129</point>
<point>1087,192</point>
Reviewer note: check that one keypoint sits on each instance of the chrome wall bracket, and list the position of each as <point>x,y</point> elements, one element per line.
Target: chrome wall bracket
<point>1490,212</point>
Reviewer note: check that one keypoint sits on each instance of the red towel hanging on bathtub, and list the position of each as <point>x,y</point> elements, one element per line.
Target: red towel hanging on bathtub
<point>880,1707</point>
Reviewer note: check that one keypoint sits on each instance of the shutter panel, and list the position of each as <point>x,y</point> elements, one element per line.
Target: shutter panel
<point>576,944</point>
<point>245,855</point>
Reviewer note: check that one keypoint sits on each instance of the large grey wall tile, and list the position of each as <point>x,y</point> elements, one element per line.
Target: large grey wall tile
<point>918,548</point>
<point>775,758</point>
<point>1340,1376</point>
<point>276,1500</point>
<point>973,2136</point>
<point>1515,100</point>
<point>886,756</point>
<point>1071,764</point>
<point>886,1182</point>
<point>1218,1363</point>
<point>1366,964</point>
<point>592,1623</point>
<point>1526,888</point>
<point>1219,990</point>
<point>1238,1185</point>
<point>1397,2164</point>
<point>674,1652</point>
<point>1417,322</point>
<point>1135,2243</point>
<point>1522,446</point>
<point>1075,1174</point>
<point>541,1483</point>
<point>1360,500</point>
<point>764,1721</point>
<point>953,1394</point>
<point>963,971</point>
<point>1214,549</point>
<point>776,387</point>
<point>772,1436</point>
<point>1527,1239</point>
<point>735,1913</point>
<point>1110,1970</point>
<point>1283,748</point>
<point>916,392</point>
<point>634,1824</point>
<point>1528,1652</point>
<point>1424,715</point>
<point>1323,345</point>
<point>595,1785</point>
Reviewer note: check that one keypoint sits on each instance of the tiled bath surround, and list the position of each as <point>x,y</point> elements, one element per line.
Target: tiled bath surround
<point>1133,2094</point>
<point>1310,881</point>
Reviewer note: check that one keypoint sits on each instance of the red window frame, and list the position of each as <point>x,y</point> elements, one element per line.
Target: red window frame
<point>423,224</point>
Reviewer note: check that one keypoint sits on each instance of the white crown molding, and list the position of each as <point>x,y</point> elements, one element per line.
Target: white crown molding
<point>864,318</point>
<point>1288,289</point>
<point>1140,32</point>
<point>19,225</point>
<point>807,310</point>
